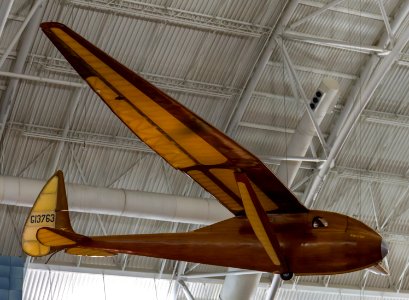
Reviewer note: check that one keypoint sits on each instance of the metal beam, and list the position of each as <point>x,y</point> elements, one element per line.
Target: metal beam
<point>186,290</point>
<point>273,289</point>
<point>266,127</point>
<point>36,158</point>
<point>23,26</point>
<point>16,17</point>
<point>345,10</point>
<point>291,158</point>
<point>166,83</point>
<point>181,267</point>
<point>237,272</point>
<point>177,16</point>
<point>386,21</point>
<point>304,98</point>
<point>402,276</point>
<point>315,40</point>
<point>316,71</point>
<point>395,211</point>
<point>41,79</point>
<point>163,82</point>
<point>374,207</point>
<point>370,176</point>
<point>5,7</point>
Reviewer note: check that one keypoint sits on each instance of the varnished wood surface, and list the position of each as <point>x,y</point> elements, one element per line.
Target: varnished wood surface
<point>345,245</point>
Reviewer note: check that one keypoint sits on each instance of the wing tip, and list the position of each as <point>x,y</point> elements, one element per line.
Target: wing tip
<point>47,25</point>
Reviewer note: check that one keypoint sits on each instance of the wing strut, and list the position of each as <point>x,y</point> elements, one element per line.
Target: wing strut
<point>259,220</point>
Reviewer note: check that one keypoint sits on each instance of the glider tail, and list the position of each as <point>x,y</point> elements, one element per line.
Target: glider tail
<point>50,211</point>
<point>48,227</point>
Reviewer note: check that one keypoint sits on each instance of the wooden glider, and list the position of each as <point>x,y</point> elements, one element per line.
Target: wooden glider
<point>271,230</point>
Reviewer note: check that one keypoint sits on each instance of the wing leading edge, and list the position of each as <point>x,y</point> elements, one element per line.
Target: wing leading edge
<point>182,138</point>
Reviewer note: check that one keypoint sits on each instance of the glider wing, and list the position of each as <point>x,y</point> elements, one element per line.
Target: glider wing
<point>182,138</point>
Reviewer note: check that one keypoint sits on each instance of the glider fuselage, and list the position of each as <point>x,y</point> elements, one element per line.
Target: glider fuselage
<point>346,244</point>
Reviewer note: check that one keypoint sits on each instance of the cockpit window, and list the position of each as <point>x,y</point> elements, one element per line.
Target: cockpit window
<point>319,222</point>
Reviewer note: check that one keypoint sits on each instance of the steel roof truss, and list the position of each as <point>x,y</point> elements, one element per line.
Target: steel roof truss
<point>159,13</point>
<point>316,13</point>
<point>338,44</point>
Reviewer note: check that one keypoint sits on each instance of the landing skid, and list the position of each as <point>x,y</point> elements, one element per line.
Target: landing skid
<point>286,276</point>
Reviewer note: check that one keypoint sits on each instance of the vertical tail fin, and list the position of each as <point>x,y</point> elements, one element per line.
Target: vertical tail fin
<point>49,210</point>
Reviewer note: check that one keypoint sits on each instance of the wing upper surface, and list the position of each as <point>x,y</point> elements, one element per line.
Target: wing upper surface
<point>182,138</point>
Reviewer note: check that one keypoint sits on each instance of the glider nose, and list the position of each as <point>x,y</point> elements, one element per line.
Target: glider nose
<point>384,248</point>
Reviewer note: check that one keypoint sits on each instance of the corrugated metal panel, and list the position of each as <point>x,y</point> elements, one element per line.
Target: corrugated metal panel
<point>279,111</point>
<point>377,147</point>
<point>389,96</point>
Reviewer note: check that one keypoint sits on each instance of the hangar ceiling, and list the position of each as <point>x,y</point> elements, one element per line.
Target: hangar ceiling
<point>239,65</point>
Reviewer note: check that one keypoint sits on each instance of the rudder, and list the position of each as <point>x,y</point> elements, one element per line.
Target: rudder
<point>49,210</point>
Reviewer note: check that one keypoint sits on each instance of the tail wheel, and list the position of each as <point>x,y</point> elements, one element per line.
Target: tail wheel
<point>286,276</point>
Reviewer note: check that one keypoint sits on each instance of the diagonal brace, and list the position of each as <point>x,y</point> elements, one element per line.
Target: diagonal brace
<point>304,98</point>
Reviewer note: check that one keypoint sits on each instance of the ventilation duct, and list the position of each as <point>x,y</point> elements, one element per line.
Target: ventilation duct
<point>324,98</point>
<point>22,192</point>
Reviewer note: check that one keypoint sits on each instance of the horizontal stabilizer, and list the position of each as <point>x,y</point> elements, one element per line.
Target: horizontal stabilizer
<point>52,237</point>
<point>76,243</point>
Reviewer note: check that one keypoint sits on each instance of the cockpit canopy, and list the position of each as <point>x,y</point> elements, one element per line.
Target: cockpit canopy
<point>319,222</point>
